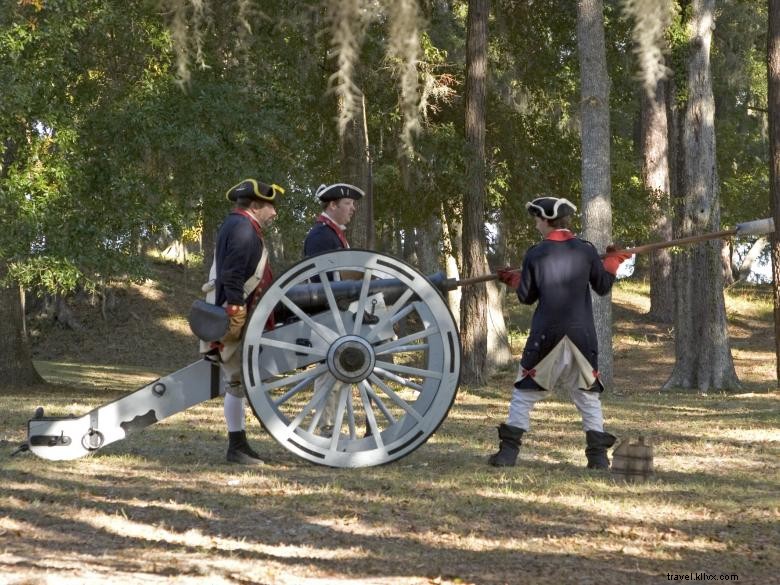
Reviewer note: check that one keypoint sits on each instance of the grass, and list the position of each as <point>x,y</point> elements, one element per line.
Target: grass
<point>163,507</point>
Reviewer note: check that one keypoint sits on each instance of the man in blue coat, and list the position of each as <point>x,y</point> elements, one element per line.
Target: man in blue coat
<point>240,275</point>
<point>339,203</point>
<point>558,274</point>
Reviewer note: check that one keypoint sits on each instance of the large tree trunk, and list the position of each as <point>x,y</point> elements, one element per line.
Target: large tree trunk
<point>655,177</point>
<point>473,307</point>
<point>16,366</point>
<point>356,169</point>
<point>596,182</point>
<point>480,356</point>
<point>773,79</point>
<point>703,356</point>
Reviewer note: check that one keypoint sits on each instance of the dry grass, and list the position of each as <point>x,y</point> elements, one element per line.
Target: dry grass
<point>162,507</point>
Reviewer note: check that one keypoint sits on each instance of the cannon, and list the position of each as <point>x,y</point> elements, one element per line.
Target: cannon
<point>384,344</point>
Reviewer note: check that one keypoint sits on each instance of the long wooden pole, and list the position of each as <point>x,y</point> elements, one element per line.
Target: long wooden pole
<point>678,242</point>
<point>757,227</point>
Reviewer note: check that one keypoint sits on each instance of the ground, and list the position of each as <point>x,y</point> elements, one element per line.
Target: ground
<point>163,507</point>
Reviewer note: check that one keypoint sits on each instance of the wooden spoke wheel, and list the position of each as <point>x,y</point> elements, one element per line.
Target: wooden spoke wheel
<point>362,365</point>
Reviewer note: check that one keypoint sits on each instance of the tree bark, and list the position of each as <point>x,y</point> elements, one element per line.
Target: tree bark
<point>703,356</point>
<point>480,356</point>
<point>655,177</point>
<point>16,365</point>
<point>595,138</point>
<point>356,169</point>
<point>773,82</point>
<point>428,238</point>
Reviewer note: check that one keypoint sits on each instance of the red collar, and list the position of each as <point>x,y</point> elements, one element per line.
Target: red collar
<point>560,235</point>
<point>252,220</point>
<point>335,227</point>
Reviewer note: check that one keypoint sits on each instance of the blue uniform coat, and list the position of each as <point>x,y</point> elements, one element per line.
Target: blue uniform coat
<point>321,238</point>
<point>238,251</point>
<point>558,274</point>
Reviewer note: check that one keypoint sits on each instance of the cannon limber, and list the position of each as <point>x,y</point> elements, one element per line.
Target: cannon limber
<point>385,344</point>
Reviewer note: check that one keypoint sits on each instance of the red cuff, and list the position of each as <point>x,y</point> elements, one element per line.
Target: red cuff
<point>611,264</point>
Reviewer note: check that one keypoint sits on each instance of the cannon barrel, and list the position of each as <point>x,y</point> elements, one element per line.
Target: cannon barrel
<point>311,297</point>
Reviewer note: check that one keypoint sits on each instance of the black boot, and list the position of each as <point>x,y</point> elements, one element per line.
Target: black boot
<point>596,451</point>
<point>508,447</point>
<point>239,451</point>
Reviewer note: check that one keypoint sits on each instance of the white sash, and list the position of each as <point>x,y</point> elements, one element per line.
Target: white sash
<point>210,288</point>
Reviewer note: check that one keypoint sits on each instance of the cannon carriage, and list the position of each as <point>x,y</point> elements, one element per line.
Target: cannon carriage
<point>383,343</point>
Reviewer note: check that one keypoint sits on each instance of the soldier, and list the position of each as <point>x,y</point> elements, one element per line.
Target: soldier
<point>561,350</point>
<point>339,202</point>
<point>240,274</point>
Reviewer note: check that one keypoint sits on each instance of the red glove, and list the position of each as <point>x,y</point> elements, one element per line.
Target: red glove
<point>509,276</point>
<point>613,259</point>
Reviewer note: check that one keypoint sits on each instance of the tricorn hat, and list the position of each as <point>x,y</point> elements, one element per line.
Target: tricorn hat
<point>252,189</point>
<point>550,207</point>
<point>338,191</point>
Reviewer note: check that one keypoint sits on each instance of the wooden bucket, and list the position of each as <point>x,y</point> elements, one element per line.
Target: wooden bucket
<point>632,462</point>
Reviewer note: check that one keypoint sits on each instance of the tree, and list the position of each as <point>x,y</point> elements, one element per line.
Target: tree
<point>478,362</point>
<point>16,365</point>
<point>595,137</point>
<point>655,179</point>
<point>773,80</point>
<point>703,357</point>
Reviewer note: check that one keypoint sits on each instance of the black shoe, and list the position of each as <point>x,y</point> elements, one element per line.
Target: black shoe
<point>239,450</point>
<point>596,451</point>
<point>509,446</point>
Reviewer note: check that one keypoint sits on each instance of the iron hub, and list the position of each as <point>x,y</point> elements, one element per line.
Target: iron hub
<point>351,359</point>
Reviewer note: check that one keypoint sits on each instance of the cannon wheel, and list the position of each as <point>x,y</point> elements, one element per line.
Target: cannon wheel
<point>393,369</point>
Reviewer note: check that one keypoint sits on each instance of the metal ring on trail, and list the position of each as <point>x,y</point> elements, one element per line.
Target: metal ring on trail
<point>382,349</point>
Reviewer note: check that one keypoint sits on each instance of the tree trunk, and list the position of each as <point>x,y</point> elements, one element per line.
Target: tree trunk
<point>703,357</point>
<point>596,182</point>
<point>773,82</point>
<point>356,169</point>
<point>727,264</point>
<point>746,266</point>
<point>208,236</point>
<point>451,240</point>
<point>476,318</point>
<point>16,366</point>
<point>655,177</point>
<point>428,238</point>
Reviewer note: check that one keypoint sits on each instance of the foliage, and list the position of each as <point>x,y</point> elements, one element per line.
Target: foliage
<point>108,148</point>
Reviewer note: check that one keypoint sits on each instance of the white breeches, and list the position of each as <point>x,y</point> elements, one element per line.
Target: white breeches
<point>587,402</point>
<point>565,373</point>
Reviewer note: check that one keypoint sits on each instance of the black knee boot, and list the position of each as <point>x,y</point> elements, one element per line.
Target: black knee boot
<point>508,447</point>
<point>596,451</point>
<point>239,451</point>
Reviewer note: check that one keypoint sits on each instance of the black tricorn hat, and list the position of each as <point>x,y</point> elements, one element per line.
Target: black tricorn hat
<point>550,207</point>
<point>338,191</point>
<point>252,189</point>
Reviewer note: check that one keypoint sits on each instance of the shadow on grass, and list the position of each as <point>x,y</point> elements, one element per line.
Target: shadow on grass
<point>166,494</point>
